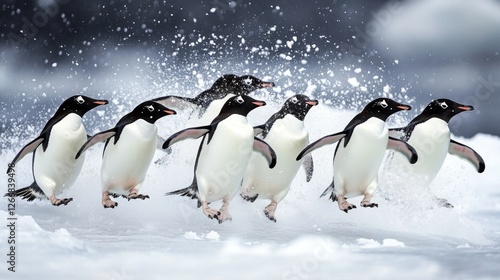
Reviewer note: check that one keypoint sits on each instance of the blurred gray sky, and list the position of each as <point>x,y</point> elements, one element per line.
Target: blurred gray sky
<point>342,51</point>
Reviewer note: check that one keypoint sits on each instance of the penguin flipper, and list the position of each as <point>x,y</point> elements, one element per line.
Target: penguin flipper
<point>329,139</point>
<point>194,133</point>
<point>308,166</point>
<point>99,137</point>
<point>468,154</point>
<point>259,129</point>
<point>178,102</point>
<point>404,148</point>
<point>29,193</point>
<point>262,147</point>
<point>159,143</point>
<point>397,133</point>
<point>30,147</point>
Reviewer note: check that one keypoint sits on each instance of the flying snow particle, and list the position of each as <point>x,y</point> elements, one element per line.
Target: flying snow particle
<point>353,81</point>
<point>54,64</point>
<point>387,88</point>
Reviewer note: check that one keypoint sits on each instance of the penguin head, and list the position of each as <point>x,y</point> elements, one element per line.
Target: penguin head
<point>445,109</point>
<point>151,111</point>
<point>246,84</point>
<point>298,106</point>
<point>382,108</point>
<point>80,104</point>
<point>241,104</point>
<point>225,84</point>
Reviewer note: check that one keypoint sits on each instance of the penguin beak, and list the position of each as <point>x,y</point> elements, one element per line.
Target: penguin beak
<point>259,103</point>
<point>170,112</point>
<point>312,102</point>
<point>101,102</point>
<point>466,108</point>
<point>266,84</point>
<point>404,107</point>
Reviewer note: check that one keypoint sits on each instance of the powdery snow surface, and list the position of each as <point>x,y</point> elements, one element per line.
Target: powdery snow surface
<point>169,238</point>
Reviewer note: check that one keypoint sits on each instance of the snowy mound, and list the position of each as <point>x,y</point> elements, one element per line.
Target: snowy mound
<point>168,237</point>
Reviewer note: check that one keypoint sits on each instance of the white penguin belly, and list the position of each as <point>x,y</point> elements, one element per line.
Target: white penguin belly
<point>431,140</point>
<point>125,164</point>
<point>212,111</point>
<point>287,137</point>
<point>222,163</point>
<point>356,166</point>
<point>56,168</point>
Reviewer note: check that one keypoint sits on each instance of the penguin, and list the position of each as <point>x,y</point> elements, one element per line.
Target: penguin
<point>128,151</point>
<point>360,151</point>
<point>211,100</point>
<point>54,165</point>
<point>223,155</point>
<point>429,134</point>
<point>286,133</point>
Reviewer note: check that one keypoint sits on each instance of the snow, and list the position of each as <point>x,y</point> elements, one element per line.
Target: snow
<point>169,237</point>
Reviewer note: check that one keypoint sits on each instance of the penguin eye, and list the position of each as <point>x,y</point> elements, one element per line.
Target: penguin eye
<point>240,100</point>
<point>383,104</point>
<point>150,108</point>
<point>294,100</point>
<point>443,105</point>
<point>80,100</point>
<point>247,81</point>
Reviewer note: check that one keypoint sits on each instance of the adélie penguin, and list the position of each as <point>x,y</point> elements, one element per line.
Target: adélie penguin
<point>360,151</point>
<point>128,151</point>
<point>429,134</point>
<point>223,155</point>
<point>54,165</point>
<point>286,134</point>
<point>211,100</point>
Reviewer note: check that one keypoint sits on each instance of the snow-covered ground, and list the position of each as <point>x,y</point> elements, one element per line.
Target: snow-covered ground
<point>169,238</point>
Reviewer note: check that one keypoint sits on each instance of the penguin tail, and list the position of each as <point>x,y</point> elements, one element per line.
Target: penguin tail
<point>189,192</point>
<point>330,190</point>
<point>29,193</point>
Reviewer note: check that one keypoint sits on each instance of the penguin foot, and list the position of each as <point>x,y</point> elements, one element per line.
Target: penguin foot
<point>115,195</point>
<point>270,215</point>
<point>368,204</point>
<point>346,206</point>
<point>211,213</point>
<point>269,211</point>
<point>58,202</point>
<point>249,198</point>
<point>137,196</point>
<point>109,203</point>
<point>224,216</point>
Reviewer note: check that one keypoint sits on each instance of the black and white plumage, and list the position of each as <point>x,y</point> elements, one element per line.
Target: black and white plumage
<point>128,151</point>
<point>429,134</point>
<point>360,151</point>
<point>223,155</point>
<point>285,132</point>
<point>224,87</point>
<point>54,165</point>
